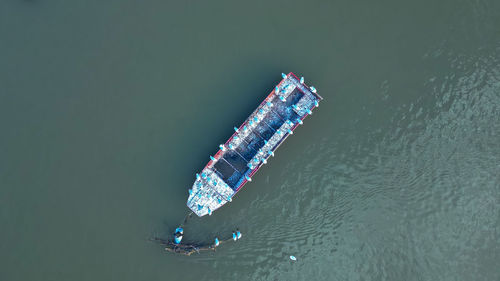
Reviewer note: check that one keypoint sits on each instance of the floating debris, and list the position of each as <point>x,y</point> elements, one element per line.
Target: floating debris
<point>189,249</point>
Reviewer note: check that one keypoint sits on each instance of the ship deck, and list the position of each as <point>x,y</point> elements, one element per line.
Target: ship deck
<point>233,164</point>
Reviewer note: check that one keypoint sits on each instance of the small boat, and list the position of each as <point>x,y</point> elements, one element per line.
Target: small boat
<point>251,144</point>
<point>178,235</point>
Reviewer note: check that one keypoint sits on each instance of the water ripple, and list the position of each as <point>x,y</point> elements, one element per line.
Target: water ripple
<point>413,198</point>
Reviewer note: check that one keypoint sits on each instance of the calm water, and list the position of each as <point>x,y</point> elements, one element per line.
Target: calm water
<point>109,108</point>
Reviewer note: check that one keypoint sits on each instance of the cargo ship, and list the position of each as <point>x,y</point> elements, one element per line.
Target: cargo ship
<point>250,146</point>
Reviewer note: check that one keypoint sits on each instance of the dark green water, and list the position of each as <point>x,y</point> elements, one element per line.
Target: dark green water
<point>109,108</point>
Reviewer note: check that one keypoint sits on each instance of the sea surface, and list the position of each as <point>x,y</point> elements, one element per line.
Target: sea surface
<point>109,108</point>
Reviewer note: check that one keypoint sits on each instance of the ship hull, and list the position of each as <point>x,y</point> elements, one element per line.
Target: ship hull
<point>249,148</point>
